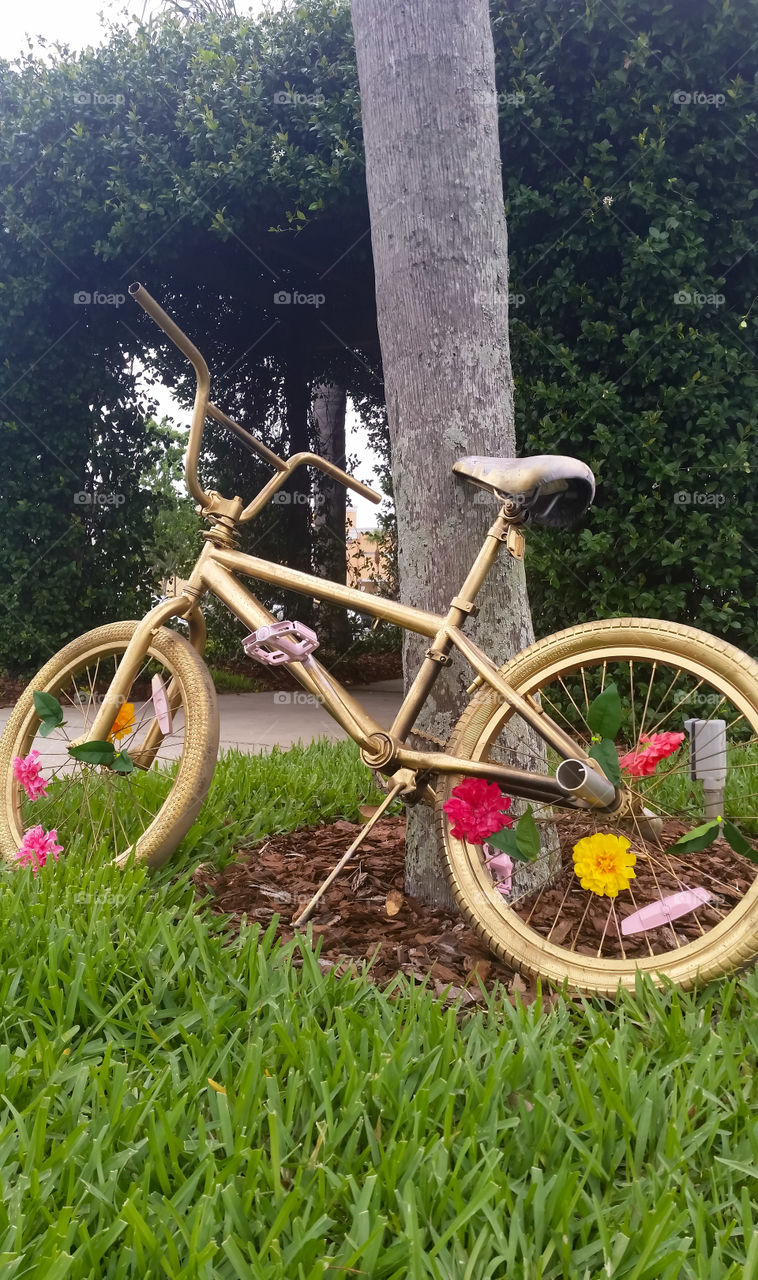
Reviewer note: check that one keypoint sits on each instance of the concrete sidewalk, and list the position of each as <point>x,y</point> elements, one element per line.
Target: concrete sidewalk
<point>255,722</point>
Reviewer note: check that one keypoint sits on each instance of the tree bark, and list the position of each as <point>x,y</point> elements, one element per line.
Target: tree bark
<point>297,491</point>
<point>427,80</point>
<point>328,406</point>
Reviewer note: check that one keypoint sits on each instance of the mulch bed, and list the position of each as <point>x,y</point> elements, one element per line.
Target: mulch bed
<point>718,869</point>
<point>366,916</point>
<point>11,688</point>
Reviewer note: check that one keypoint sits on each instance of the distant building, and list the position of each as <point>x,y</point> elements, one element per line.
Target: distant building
<point>365,568</point>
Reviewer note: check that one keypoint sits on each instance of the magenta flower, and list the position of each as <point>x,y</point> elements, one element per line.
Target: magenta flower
<point>37,846</point>
<point>651,750</point>
<point>29,773</point>
<point>477,809</point>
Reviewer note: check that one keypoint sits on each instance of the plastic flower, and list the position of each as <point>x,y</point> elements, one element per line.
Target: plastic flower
<point>604,864</point>
<point>644,759</point>
<point>501,867</point>
<point>123,724</point>
<point>477,809</point>
<point>37,846</point>
<point>28,772</point>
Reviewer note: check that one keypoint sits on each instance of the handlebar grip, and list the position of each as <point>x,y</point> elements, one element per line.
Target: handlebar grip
<point>350,482</point>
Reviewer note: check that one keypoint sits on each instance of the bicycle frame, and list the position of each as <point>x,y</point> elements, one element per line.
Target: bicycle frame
<point>382,747</point>
<point>215,571</point>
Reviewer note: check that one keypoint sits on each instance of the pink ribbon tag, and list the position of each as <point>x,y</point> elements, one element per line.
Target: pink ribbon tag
<point>500,864</point>
<point>664,911</point>
<point>160,705</point>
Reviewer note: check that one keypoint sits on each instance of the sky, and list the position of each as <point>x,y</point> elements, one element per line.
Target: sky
<point>75,22</point>
<point>82,22</point>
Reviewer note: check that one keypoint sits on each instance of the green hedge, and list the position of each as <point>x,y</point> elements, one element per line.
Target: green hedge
<point>632,215</point>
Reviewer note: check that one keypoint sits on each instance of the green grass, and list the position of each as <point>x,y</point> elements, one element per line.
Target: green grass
<point>233,682</point>
<point>254,796</point>
<point>676,792</point>
<point>360,1132</point>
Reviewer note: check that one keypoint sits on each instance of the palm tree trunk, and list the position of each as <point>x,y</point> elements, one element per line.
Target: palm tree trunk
<point>427,82</point>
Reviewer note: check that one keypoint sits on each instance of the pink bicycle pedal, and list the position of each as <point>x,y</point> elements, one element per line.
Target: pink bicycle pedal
<point>280,642</point>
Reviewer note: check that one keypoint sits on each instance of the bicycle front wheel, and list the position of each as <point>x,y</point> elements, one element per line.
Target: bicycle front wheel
<point>584,924</point>
<point>104,814</point>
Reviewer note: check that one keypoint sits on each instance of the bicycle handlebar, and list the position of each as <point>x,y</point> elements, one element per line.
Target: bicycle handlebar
<point>203,408</point>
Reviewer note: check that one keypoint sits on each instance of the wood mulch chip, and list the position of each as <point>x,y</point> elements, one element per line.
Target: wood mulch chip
<point>576,918</point>
<point>364,916</point>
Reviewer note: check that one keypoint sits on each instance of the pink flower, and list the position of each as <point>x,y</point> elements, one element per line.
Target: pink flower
<point>36,846</point>
<point>501,866</point>
<point>650,751</point>
<point>28,772</point>
<point>477,809</point>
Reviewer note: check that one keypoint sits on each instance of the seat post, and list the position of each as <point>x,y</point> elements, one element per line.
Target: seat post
<point>461,607</point>
<point>500,532</point>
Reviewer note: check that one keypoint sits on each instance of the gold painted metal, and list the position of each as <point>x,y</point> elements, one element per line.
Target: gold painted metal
<point>220,562</point>
<point>403,615</point>
<point>408,771</point>
<point>203,408</point>
<point>516,542</point>
<point>400,784</point>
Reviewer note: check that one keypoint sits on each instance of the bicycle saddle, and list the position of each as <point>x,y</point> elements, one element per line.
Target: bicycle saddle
<point>550,489</point>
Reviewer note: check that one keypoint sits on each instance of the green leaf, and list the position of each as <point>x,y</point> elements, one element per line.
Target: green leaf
<point>604,715</point>
<point>699,837</point>
<point>521,842</point>
<point>49,711</point>
<point>122,763</point>
<point>528,836</point>
<point>606,755</point>
<point>738,842</point>
<point>94,752</point>
<point>505,841</point>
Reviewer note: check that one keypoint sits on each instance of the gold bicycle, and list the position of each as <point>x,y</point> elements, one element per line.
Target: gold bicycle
<point>540,728</point>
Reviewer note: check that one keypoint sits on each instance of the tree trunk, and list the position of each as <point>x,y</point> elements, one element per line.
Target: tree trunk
<point>328,405</point>
<point>427,80</point>
<point>296,493</point>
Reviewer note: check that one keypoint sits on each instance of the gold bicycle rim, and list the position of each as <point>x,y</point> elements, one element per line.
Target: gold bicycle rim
<point>185,797</point>
<point>727,946</point>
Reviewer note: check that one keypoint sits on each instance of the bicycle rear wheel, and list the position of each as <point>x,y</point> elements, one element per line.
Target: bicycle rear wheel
<point>665,673</point>
<point>103,814</point>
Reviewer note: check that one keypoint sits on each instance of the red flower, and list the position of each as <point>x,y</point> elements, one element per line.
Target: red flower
<point>651,750</point>
<point>477,809</point>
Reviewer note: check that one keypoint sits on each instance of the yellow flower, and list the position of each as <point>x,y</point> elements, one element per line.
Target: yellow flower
<point>604,864</point>
<point>123,724</point>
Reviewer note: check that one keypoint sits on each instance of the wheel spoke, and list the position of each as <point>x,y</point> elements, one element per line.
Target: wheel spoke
<point>550,904</point>
<point>93,808</point>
